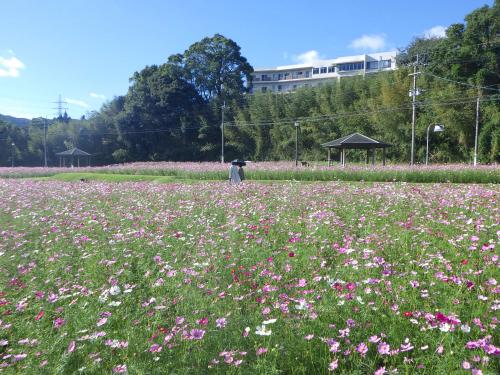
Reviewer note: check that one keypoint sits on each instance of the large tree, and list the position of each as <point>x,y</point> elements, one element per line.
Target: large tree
<point>161,110</point>
<point>216,68</point>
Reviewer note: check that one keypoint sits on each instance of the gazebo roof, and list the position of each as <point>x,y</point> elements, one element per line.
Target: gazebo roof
<point>73,152</point>
<point>355,140</point>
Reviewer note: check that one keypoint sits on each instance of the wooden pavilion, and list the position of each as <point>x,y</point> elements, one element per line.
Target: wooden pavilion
<point>71,155</point>
<point>356,141</point>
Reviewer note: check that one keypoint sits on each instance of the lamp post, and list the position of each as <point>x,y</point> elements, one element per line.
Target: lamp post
<point>12,154</point>
<point>45,142</point>
<point>437,128</point>
<point>296,143</point>
<point>223,108</point>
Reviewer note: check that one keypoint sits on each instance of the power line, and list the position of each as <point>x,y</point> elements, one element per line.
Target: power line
<point>461,83</point>
<point>301,119</point>
<point>363,113</point>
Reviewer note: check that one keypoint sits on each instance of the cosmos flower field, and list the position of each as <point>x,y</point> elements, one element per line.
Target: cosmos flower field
<point>275,278</point>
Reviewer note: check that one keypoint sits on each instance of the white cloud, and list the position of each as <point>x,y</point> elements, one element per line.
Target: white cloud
<point>97,96</point>
<point>435,32</point>
<point>10,67</point>
<point>307,58</point>
<point>371,42</point>
<point>79,103</point>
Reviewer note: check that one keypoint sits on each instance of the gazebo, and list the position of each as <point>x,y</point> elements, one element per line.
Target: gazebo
<point>356,141</point>
<point>71,154</point>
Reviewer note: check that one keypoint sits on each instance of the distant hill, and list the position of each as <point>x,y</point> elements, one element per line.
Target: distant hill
<point>15,120</point>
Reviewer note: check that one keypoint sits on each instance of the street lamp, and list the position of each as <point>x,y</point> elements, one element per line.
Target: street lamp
<point>296,143</point>
<point>437,128</point>
<point>12,154</point>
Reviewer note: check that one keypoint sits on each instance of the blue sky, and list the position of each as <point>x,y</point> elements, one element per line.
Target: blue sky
<point>86,50</point>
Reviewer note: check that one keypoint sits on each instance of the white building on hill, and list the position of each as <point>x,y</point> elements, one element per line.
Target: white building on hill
<point>291,77</point>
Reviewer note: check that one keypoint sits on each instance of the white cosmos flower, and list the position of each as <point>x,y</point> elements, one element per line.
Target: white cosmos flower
<point>301,306</point>
<point>104,296</point>
<point>445,327</point>
<point>270,321</point>
<point>262,330</point>
<point>114,290</point>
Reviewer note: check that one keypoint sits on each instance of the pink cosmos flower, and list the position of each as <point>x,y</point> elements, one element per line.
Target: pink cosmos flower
<point>71,346</point>
<point>59,322</point>
<point>384,348</point>
<point>374,339</point>
<point>202,321</point>
<point>155,348</point>
<point>261,351</point>
<point>380,371</point>
<point>362,349</point>
<point>19,357</point>
<point>466,365</point>
<point>246,331</point>
<point>120,369</point>
<point>333,365</point>
<point>334,346</point>
<point>221,322</point>
<point>102,321</point>
<point>196,334</point>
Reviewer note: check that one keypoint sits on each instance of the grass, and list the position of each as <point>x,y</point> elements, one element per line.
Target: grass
<point>107,177</point>
<point>215,173</point>
<point>175,273</point>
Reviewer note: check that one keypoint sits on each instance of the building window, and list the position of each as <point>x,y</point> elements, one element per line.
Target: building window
<point>331,69</point>
<point>263,89</point>
<point>323,70</point>
<point>286,75</point>
<point>294,87</point>
<point>385,63</point>
<point>372,65</point>
<point>279,87</point>
<point>315,70</point>
<point>307,74</point>
<point>351,66</point>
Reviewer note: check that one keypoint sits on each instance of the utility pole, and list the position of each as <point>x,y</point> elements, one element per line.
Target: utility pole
<point>45,141</point>
<point>12,154</point>
<point>477,127</point>
<point>296,143</point>
<point>222,131</point>
<point>414,92</point>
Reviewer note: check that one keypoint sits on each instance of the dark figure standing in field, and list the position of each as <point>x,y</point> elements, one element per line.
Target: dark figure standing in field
<point>241,173</point>
<point>234,174</point>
